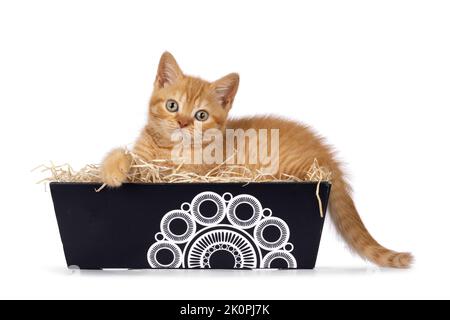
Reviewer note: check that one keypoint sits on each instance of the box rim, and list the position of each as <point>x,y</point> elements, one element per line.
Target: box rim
<point>243,183</point>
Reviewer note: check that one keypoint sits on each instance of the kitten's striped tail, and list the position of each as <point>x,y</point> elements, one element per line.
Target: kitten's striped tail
<point>352,229</point>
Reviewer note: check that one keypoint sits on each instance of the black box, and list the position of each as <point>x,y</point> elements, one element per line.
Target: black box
<point>197,225</point>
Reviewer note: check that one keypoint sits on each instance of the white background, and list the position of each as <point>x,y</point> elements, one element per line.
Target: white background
<point>371,76</point>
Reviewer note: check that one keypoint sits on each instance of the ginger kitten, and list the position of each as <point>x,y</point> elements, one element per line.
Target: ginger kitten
<point>180,102</point>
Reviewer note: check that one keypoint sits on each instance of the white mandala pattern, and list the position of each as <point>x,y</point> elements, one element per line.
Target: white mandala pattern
<point>222,233</point>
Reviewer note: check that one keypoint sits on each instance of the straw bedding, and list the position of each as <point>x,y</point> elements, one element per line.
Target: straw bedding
<point>161,171</point>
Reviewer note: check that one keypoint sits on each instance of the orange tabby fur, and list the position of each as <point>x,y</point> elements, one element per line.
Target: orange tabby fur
<point>299,146</point>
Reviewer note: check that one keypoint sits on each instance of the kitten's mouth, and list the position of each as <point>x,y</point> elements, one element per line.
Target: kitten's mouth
<point>181,132</point>
<point>188,138</point>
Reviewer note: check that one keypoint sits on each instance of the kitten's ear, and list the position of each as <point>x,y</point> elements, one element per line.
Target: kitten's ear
<point>168,71</point>
<point>225,89</point>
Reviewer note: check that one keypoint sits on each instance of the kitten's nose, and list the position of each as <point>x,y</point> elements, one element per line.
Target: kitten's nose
<point>183,123</point>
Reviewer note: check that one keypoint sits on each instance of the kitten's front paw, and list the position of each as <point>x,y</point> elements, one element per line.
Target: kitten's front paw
<point>115,168</point>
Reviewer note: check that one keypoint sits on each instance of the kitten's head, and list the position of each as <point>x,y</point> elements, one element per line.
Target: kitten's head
<point>181,103</point>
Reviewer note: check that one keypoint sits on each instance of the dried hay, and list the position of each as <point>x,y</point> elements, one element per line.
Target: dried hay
<point>162,171</point>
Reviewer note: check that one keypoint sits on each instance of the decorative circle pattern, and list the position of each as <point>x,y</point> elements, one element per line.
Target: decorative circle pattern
<point>267,212</point>
<point>203,219</point>
<point>178,214</point>
<point>209,240</point>
<point>274,255</point>
<point>289,247</point>
<point>227,196</point>
<point>271,245</point>
<point>159,236</point>
<point>247,199</point>
<point>221,238</point>
<point>186,206</point>
<point>156,247</point>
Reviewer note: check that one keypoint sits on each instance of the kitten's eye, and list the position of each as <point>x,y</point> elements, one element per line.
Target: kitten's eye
<point>201,115</point>
<point>172,106</point>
